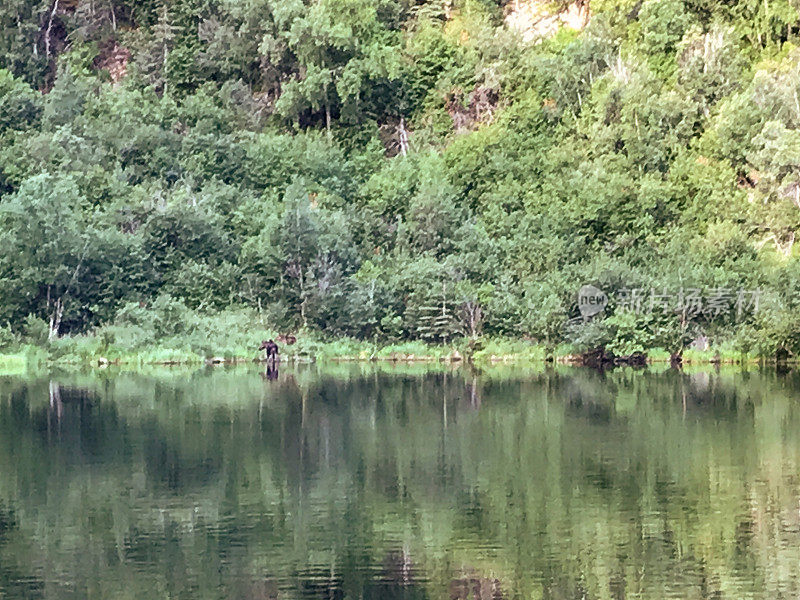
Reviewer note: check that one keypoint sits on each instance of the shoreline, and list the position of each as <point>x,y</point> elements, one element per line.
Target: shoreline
<point>32,357</point>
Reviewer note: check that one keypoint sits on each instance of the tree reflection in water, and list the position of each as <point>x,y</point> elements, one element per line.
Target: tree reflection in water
<point>400,482</point>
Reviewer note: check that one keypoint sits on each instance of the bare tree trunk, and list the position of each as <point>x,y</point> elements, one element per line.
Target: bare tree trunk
<point>49,29</point>
<point>166,48</point>
<point>55,320</point>
<point>328,118</point>
<point>403,137</point>
<point>796,104</point>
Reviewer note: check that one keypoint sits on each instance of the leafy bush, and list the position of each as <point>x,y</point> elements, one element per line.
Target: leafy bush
<point>35,331</point>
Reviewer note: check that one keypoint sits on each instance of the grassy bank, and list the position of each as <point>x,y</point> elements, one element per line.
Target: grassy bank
<point>13,364</point>
<point>89,350</point>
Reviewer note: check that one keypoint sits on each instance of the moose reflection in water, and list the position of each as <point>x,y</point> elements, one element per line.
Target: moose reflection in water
<point>401,481</point>
<point>271,371</point>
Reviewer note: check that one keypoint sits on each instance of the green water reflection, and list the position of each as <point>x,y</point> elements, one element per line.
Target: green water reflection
<point>358,482</point>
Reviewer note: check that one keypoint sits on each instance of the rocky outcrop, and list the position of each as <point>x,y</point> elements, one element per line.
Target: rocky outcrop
<point>535,19</point>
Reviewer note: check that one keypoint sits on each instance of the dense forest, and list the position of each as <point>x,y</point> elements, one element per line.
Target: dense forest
<point>401,169</point>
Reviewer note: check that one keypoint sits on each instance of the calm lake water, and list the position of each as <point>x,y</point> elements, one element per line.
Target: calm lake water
<point>361,482</point>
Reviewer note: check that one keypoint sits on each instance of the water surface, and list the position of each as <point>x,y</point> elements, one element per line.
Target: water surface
<point>363,482</point>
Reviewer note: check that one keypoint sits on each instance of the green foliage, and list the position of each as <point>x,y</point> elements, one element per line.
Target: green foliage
<point>34,330</point>
<point>663,24</point>
<point>8,338</point>
<point>388,173</point>
<point>20,106</point>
